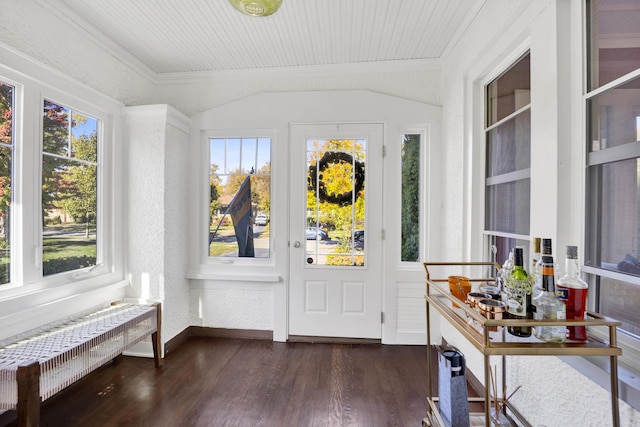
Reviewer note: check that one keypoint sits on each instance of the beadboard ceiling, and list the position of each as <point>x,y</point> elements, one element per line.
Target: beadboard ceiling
<point>195,36</point>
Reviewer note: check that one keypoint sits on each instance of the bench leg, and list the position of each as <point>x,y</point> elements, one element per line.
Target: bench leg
<point>155,340</point>
<point>156,337</point>
<point>28,378</point>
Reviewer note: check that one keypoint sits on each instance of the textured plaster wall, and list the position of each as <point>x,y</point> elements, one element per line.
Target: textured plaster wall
<point>485,31</point>
<point>553,393</point>
<point>176,294</point>
<point>234,308</point>
<point>157,220</point>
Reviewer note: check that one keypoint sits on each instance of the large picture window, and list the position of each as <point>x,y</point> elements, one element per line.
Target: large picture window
<point>612,105</point>
<point>240,197</point>
<point>69,189</point>
<point>508,159</point>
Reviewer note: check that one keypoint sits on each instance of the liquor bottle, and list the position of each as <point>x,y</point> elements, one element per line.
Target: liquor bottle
<point>546,250</point>
<point>535,253</point>
<point>573,290</point>
<point>547,305</point>
<point>518,287</point>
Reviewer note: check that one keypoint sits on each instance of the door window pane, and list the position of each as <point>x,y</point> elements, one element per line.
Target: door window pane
<point>6,174</point>
<point>410,210</point>
<point>240,197</point>
<point>335,232</point>
<point>69,189</point>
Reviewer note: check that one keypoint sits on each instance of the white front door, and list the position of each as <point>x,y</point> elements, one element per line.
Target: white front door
<point>335,287</point>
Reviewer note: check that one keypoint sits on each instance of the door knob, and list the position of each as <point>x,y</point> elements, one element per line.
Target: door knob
<point>296,244</point>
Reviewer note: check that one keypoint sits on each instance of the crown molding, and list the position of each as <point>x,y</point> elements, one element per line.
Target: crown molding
<point>69,16</point>
<point>300,71</point>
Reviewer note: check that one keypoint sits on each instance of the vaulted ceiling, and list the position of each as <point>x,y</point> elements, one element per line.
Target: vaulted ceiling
<point>194,36</point>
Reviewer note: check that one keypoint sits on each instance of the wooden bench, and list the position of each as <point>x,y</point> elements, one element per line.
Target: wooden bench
<point>36,365</point>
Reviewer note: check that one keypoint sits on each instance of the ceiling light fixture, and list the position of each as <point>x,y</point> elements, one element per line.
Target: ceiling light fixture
<point>256,7</point>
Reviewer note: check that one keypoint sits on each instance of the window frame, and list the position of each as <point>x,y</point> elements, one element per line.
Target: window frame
<point>15,266</point>
<point>489,236</point>
<point>630,360</point>
<point>26,249</point>
<point>79,272</point>
<point>423,200</point>
<point>629,343</point>
<point>221,264</point>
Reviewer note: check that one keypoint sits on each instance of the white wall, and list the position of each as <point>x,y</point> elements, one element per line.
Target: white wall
<point>231,296</point>
<point>501,32</point>
<point>157,211</point>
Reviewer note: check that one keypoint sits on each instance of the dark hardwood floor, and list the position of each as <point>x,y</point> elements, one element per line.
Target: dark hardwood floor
<point>236,382</point>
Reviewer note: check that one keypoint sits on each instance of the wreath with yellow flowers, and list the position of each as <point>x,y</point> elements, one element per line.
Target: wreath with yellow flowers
<point>333,158</point>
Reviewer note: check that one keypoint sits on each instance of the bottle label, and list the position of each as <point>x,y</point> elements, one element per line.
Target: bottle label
<point>562,294</point>
<point>517,291</point>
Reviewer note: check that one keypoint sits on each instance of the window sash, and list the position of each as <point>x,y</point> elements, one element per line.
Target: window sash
<point>508,157</point>
<point>612,147</point>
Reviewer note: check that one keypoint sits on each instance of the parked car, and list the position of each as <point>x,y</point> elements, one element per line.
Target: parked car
<point>317,233</point>
<point>358,235</point>
<point>261,219</point>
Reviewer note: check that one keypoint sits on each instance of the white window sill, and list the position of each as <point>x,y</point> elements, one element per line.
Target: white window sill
<point>234,277</point>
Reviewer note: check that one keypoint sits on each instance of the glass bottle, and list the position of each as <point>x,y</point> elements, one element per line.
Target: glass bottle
<point>547,305</point>
<point>573,290</point>
<point>535,253</point>
<point>546,250</point>
<point>518,287</point>
<point>504,272</point>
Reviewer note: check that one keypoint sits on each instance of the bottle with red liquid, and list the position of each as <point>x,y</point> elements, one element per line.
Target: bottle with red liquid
<point>573,291</point>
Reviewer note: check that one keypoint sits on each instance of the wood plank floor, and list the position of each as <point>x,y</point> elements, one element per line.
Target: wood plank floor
<point>235,382</point>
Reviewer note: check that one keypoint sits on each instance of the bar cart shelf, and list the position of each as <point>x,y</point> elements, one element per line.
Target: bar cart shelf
<point>489,337</point>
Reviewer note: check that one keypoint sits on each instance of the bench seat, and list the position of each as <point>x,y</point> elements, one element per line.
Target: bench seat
<point>36,365</point>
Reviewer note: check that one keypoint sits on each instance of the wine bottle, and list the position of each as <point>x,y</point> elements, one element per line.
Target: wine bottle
<point>518,287</point>
<point>573,291</point>
<point>546,250</point>
<point>547,306</point>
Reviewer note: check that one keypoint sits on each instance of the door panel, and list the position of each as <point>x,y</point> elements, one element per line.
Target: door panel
<point>336,230</point>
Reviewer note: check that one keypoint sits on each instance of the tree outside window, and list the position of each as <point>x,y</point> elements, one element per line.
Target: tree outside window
<point>69,189</point>
<point>6,167</point>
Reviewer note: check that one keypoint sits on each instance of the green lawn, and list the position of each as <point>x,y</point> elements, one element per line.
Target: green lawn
<point>67,250</point>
